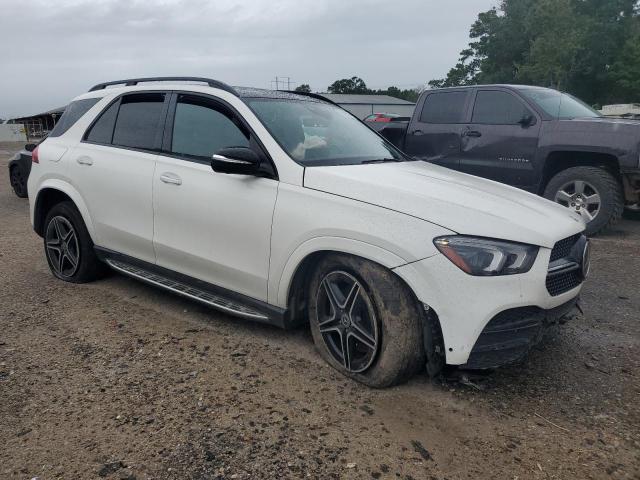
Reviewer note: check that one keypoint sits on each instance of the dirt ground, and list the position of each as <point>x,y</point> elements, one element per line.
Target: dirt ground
<point>118,380</point>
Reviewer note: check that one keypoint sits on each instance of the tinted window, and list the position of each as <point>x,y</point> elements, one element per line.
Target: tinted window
<point>201,129</point>
<point>498,108</point>
<point>138,120</point>
<point>444,107</point>
<point>102,130</point>
<point>72,114</point>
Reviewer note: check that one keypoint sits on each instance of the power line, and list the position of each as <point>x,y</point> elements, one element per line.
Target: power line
<point>284,81</point>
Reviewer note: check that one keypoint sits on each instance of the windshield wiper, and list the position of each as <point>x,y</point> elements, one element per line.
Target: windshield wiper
<point>382,160</point>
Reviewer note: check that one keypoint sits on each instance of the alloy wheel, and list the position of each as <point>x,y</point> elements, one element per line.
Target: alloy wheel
<point>347,321</point>
<point>580,196</point>
<point>62,246</point>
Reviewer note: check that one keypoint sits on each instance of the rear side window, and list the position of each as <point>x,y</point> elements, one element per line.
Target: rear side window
<point>498,108</point>
<point>102,129</point>
<point>444,107</point>
<point>201,128</point>
<point>72,114</point>
<point>138,120</point>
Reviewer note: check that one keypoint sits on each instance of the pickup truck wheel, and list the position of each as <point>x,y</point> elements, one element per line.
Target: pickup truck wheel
<point>68,246</point>
<point>364,321</point>
<point>592,192</point>
<point>17,182</point>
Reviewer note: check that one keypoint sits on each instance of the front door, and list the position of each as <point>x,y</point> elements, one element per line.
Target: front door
<point>501,140</point>
<point>212,226</point>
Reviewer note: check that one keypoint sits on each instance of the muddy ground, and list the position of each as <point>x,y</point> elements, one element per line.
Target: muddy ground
<point>118,380</point>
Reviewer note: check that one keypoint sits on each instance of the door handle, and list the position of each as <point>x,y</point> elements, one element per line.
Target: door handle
<point>84,160</point>
<point>417,133</point>
<point>472,133</point>
<point>171,178</point>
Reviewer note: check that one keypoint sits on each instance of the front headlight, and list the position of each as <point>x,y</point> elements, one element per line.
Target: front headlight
<point>487,257</point>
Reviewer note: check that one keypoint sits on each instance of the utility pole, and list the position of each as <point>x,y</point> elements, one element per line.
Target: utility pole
<point>281,81</point>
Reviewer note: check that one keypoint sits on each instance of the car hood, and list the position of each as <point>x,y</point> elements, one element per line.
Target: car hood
<point>462,203</point>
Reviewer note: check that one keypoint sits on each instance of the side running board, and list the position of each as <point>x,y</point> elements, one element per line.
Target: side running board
<point>208,298</point>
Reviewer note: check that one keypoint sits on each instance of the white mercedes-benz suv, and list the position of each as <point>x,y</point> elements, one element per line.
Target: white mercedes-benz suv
<point>285,209</point>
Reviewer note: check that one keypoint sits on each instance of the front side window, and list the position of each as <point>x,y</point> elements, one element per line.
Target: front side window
<point>73,113</point>
<point>493,107</point>
<point>138,120</point>
<point>200,129</point>
<point>444,107</point>
<point>559,105</point>
<point>316,133</point>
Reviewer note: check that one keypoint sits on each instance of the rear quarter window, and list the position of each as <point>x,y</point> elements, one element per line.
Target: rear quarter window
<point>73,113</point>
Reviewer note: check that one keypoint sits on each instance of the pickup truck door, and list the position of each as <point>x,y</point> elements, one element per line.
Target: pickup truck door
<point>211,226</point>
<point>434,131</point>
<point>501,140</point>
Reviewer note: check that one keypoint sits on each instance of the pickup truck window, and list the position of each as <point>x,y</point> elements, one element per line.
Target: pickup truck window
<point>559,105</point>
<point>493,107</point>
<point>319,134</point>
<point>444,107</point>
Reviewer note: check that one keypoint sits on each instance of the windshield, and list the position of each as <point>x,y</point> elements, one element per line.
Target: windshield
<point>320,134</point>
<point>559,105</point>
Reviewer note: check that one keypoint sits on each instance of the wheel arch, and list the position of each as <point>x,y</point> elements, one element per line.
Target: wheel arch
<point>559,160</point>
<point>52,193</point>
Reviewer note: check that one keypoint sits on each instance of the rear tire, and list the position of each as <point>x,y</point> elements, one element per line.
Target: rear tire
<point>17,182</point>
<point>593,184</point>
<point>68,246</point>
<point>381,321</point>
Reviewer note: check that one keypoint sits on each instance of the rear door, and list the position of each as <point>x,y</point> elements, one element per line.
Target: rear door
<point>497,143</point>
<point>212,226</point>
<point>434,131</point>
<point>113,167</point>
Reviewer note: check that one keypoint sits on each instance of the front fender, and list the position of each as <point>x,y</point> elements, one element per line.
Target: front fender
<point>280,282</point>
<point>72,193</point>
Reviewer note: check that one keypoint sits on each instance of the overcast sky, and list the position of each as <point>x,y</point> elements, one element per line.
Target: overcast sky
<point>55,50</point>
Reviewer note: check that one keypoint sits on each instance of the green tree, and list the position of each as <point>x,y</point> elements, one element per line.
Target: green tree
<point>303,88</point>
<point>349,85</point>
<point>586,47</point>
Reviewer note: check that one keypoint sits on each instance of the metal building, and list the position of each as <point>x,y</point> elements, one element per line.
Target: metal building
<point>39,125</point>
<point>364,105</point>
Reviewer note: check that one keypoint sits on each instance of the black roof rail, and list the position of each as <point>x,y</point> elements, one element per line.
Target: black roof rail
<point>134,81</point>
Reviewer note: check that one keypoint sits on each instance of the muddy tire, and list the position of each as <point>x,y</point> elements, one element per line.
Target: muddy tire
<point>68,246</point>
<point>576,186</point>
<point>364,309</point>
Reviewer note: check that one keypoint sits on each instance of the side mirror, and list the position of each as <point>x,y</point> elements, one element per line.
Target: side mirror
<point>30,147</point>
<point>238,160</point>
<point>527,121</point>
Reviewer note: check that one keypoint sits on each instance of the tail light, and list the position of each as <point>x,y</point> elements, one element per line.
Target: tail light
<point>34,156</point>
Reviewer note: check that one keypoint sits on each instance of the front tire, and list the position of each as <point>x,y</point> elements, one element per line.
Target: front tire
<point>592,192</point>
<point>68,246</point>
<point>365,322</point>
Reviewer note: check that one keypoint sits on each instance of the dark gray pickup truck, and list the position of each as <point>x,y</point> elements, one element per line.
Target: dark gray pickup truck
<point>537,139</point>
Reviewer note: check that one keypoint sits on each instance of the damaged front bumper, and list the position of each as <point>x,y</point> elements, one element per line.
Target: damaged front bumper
<point>510,335</point>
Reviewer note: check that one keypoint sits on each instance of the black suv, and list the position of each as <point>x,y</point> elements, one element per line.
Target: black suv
<point>19,169</point>
<point>537,139</point>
